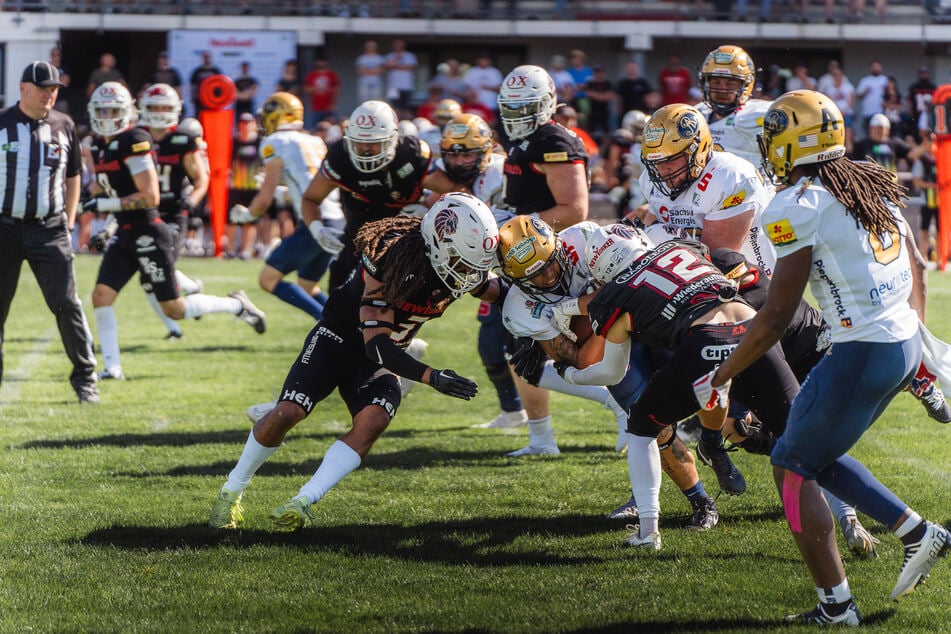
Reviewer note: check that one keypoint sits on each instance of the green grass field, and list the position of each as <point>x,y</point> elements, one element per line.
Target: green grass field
<point>103,508</point>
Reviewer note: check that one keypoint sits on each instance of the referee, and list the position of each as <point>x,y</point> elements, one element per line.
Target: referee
<point>39,189</point>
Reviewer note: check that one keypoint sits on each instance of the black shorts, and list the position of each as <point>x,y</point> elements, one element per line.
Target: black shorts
<point>767,387</point>
<point>927,215</point>
<point>145,246</point>
<point>329,362</point>
<point>177,223</point>
<point>241,197</point>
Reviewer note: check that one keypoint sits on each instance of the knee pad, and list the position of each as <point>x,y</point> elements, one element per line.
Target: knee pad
<point>497,371</point>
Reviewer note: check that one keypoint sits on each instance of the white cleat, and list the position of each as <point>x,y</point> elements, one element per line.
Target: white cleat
<point>621,415</point>
<point>257,412</point>
<point>920,558</point>
<point>536,450</point>
<point>505,420</point>
<point>860,541</point>
<point>648,542</point>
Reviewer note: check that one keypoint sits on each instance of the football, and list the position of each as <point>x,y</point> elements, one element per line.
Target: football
<point>581,326</point>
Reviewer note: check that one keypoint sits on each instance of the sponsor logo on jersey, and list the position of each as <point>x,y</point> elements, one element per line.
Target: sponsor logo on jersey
<point>144,243</point>
<point>716,353</point>
<point>52,151</point>
<point>267,151</point>
<point>511,168</point>
<point>113,145</point>
<point>375,181</point>
<point>298,397</point>
<point>141,146</point>
<point>734,200</point>
<point>834,293</point>
<point>330,171</point>
<point>555,157</point>
<point>11,147</point>
<point>781,233</point>
<point>898,283</point>
<point>179,139</point>
<point>846,323</point>
<point>309,350</point>
<point>405,170</point>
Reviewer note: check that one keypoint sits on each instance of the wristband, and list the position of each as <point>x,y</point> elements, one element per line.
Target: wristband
<point>107,205</point>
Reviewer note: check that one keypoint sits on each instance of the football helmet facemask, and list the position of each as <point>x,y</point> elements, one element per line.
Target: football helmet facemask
<point>532,255</point>
<point>111,109</point>
<point>281,110</point>
<point>800,128</point>
<point>466,147</point>
<point>461,238</point>
<point>160,107</point>
<point>676,147</point>
<point>613,248</point>
<point>729,62</point>
<point>372,136</point>
<point>527,100</point>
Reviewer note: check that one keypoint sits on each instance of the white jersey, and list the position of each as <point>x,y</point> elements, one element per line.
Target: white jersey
<point>736,132</point>
<point>301,155</point>
<point>527,317</point>
<point>861,282</point>
<point>636,164</point>
<point>488,187</point>
<point>727,187</point>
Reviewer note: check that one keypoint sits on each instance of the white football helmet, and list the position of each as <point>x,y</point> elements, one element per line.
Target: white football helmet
<point>111,109</point>
<point>373,128</point>
<point>613,248</point>
<point>461,238</point>
<point>660,232</point>
<point>160,107</point>
<point>527,99</point>
<point>635,121</point>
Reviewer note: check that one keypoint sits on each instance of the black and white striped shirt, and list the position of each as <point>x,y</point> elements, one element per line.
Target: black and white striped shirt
<point>36,158</point>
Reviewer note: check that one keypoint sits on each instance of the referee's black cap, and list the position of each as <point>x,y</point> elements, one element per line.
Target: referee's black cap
<point>43,74</point>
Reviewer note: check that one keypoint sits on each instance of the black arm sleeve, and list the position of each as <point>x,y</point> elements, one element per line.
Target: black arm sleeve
<point>382,350</point>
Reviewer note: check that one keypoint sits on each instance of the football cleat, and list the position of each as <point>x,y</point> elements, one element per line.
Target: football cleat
<point>257,412</point>
<point>920,558</point>
<point>505,420</point>
<point>88,393</point>
<point>728,476</point>
<point>924,388</point>
<point>114,372</point>
<point>705,514</point>
<point>173,335</point>
<point>649,542</point>
<point>250,314</point>
<point>818,616</point>
<point>293,515</point>
<point>860,541</point>
<point>627,511</point>
<point>547,449</point>
<point>227,511</point>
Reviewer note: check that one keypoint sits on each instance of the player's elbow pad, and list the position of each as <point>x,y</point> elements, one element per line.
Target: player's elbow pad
<point>382,350</point>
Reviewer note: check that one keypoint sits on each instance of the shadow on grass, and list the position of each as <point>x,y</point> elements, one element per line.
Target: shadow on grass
<point>768,623</point>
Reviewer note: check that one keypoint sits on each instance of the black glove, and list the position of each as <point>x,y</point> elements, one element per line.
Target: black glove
<point>529,359</point>
<point>188,207</point>
<point>97,243</point>
<point>448,382</point>
<point>560,367</point>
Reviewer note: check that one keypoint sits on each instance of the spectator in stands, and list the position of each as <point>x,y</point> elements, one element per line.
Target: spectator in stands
<point>486,80</point>
<point>370,73</point>
<point>564,83</point>
<point>322,85</point>
<point>601,97</point>
<point>824,82</point>
<point>472,105</point>
<point>400,67</point>
<point>919,95</point>
<point>924,177</point>
<point>890,152</point>
<point>165,74</point>
<point>893,106</point>
<point>199,74</point>
<point>800,80</point>
<point>427,109</point>
<point>631,90</point>
<point>871,90</point>
<point>242,185</point>
<point>567,117</point>
<point>581,73</point>
<point>106,71</point>
<point>773,83</point>
<point>62,101</point>
<point>674,80</point>
<point>451,84</point>
<point>247,87</point>
<point>290,79</point>
<point>842,92</point>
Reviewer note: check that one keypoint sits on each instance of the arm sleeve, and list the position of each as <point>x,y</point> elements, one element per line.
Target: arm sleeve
<point>609,371</point>
<point>382,350</point>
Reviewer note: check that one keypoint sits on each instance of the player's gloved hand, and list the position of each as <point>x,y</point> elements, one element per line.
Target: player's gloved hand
<point>97,243</point>
<point>448,382</point>
<point>327,237</point>
<point>709,396</point>
<point>102,205</point>
<point>562,312</point>
<point>529,359</point>
<point>188,207</point>
<point>240,215</point>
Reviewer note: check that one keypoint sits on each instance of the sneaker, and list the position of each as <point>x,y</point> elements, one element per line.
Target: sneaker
<point>650,542</point>
<point>174,336</point>
<point>705,514</point>
<point>257,412</point>
<point>536,450</point>
<point>227,511</point>
<point>817,616</point>
<point>250,313</point>
<point>627,511</point>
<point>920,558</point>
<point>728,476</point>
<point>860,541</point>
<point>115,372</point>
<point>293,515</point>
<point>88,393</point>
<point>505,420</point>
<point>621,415</point>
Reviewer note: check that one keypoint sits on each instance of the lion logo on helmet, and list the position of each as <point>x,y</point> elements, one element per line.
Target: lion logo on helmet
<point>445,223</point>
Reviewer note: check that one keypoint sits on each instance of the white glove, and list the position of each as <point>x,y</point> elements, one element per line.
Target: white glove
<point>240,215</point>
<point>327,237</point>
<point>562,313</point>
<point>708,396</point>
<point>415,210</point>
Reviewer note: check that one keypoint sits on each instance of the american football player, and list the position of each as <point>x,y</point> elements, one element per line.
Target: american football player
<point>126,184</point>
<point>411,270</point>
<point>837,226</point>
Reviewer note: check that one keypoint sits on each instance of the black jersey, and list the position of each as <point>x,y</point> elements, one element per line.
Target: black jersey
<point>381,194</point>
<point>170,153</point>
<point>245,164</point>
<point>526,189</point>
<point>112,173</point>
<point>664,292</point>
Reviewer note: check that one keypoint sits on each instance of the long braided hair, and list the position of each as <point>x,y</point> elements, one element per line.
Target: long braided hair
<point>863,187</point>
<point>397,240</point>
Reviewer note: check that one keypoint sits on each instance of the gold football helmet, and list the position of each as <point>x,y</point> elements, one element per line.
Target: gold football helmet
<point>281,109</point>
<point>466,146</point>
<point>446,110</point>
<point>533,257</point>
<point>674,134</point>
<point>800,128</point>
<point>730,62</point>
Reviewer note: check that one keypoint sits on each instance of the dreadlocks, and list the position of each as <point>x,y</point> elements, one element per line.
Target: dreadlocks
<point>407,270</point>
<point>864,188</point>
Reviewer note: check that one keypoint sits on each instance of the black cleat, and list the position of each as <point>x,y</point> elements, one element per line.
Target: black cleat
<point>728,476</point>
<point>705,514</point>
